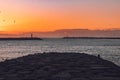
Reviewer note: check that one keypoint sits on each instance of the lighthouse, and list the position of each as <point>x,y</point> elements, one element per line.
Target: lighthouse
<point>31,35</point>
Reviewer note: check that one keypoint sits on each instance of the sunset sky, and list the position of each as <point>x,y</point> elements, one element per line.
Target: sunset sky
<point>50,15</point>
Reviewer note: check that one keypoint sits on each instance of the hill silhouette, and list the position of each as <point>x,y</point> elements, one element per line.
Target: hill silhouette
<point>79,33</point>
<point>69,33</point>
<point>59,66</point>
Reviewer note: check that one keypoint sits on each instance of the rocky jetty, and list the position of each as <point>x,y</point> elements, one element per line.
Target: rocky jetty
<point>59,66</point>
<point>20,39</point>
<point>91,37</point>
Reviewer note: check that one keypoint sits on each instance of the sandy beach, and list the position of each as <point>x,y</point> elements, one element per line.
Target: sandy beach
<point>59,66</point>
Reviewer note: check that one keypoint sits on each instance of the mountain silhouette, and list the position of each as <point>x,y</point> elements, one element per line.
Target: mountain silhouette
<point>69,33</point>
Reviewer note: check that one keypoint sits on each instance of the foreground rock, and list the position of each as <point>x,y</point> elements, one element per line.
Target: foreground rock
<point>59,66</point>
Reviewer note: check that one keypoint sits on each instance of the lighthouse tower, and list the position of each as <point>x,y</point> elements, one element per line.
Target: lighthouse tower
<point>31,35</point>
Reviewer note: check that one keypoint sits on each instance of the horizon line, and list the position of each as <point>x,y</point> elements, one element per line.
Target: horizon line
<point>17,32</point>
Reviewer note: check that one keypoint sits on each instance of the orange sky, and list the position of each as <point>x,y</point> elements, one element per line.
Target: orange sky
<point>49,15</point>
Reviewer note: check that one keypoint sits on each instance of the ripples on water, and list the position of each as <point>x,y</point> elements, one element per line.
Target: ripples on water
<point>107,48</point>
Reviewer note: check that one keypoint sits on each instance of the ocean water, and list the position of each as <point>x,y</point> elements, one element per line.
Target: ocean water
<point>109,49</point>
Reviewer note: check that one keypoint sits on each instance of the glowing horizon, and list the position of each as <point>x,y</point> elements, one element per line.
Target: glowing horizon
<point>50,15</point>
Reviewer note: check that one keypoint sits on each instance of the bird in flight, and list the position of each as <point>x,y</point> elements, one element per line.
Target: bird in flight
<point>4,20</point>
<point>14,21</point>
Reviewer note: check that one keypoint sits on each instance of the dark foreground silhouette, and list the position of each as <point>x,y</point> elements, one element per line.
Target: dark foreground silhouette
<point>59,66</point>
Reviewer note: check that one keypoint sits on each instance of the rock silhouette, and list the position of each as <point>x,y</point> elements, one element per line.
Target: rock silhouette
<point>59,66</point>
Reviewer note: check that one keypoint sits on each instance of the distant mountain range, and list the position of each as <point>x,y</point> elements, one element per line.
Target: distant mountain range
<point>72,33</point>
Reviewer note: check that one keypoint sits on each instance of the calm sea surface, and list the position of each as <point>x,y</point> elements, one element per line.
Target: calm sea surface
<point>108,48</point>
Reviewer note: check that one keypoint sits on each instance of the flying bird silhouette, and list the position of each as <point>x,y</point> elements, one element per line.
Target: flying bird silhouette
<point>14,21</point>
<point>4,20</point>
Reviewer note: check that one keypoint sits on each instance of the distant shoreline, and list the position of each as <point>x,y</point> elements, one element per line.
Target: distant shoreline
<point>91,38</point>
<point>20,38</point>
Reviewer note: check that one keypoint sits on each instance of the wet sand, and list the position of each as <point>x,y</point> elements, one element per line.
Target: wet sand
<point>59,66</point>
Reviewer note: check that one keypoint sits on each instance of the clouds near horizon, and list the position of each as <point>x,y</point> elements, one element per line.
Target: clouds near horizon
<point>47,15</point>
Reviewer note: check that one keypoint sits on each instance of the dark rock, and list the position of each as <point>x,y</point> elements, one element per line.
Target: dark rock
<point>59,66</point>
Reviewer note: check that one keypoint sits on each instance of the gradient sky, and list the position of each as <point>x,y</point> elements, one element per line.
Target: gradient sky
<point>49,15</point>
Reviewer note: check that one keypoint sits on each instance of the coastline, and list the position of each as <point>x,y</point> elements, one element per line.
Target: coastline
<point>91,38</point>
<point>20,38</point>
